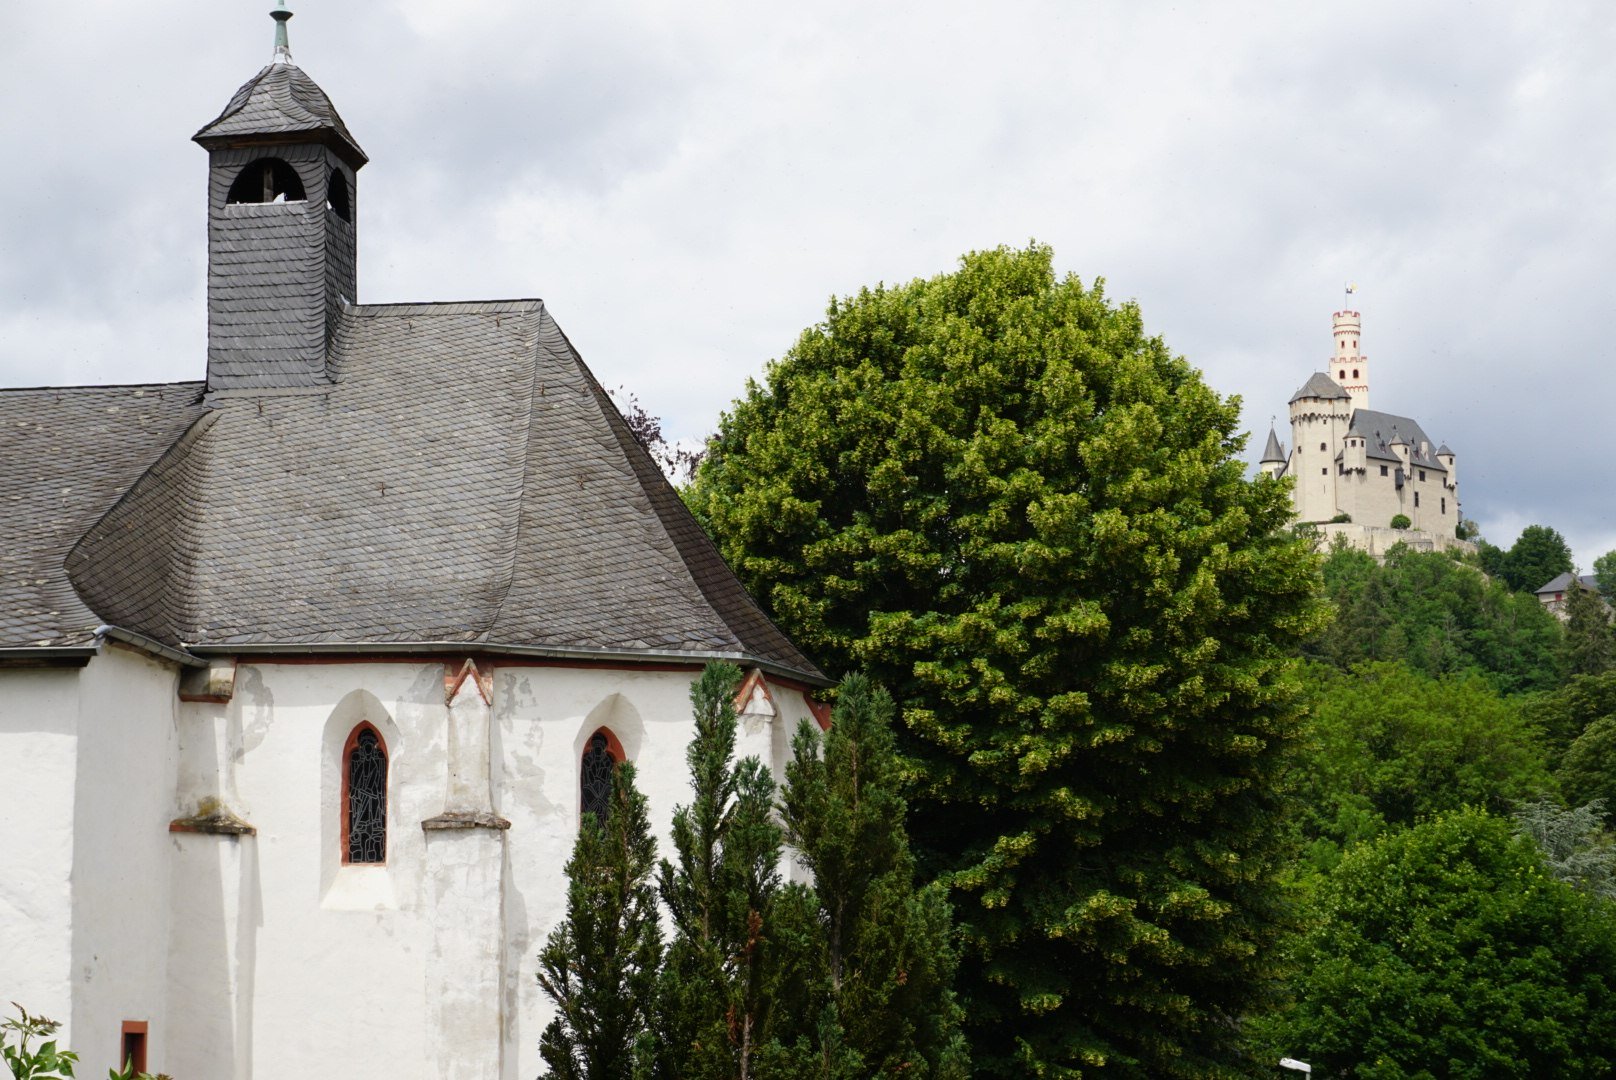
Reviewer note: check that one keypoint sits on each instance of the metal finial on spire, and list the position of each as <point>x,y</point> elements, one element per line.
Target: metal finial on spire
<point>283,48</point>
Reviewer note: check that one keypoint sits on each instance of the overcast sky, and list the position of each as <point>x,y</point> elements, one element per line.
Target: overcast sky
<point>687,184</point>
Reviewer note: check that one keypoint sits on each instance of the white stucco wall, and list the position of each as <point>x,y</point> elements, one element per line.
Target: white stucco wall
<point>264,956</point>
<point>126,768</point>
<point>38,780</point>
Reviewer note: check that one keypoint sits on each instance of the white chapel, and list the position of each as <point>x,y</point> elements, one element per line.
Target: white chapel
<point>306,668</point>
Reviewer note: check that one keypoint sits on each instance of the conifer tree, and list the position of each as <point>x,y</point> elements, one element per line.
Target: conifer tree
<point>600,966</point>
<point>713,1004</point>
<point>881,1000</point>
<point>1590,647</point>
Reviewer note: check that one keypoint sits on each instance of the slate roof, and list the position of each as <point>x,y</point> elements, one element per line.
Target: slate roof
<point>1381,430</point>
<point>281,101</point>
<point>69,454</point>
<point>463,481</point>
<point>1273,451</point>
<point>1562,583</point>
<point>1319,385</point>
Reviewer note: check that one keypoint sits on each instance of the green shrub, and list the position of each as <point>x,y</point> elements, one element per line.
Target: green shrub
<point>1400,521</point>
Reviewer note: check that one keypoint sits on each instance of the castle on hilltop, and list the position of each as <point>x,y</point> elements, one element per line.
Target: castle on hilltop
<point>1357,470</point>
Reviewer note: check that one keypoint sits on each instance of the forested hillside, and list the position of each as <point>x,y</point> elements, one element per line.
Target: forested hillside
<point>1454,881</point>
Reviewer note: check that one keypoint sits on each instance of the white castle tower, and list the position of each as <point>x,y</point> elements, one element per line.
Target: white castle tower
<point>1347,364</point>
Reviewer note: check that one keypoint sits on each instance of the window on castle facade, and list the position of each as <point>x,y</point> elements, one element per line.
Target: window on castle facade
<point>1416,498</point>
<point>1444,504</point>
<point>364,797</point>
<point>1324,446</point>
<point>1422,474</point>
<point>1383,470</point>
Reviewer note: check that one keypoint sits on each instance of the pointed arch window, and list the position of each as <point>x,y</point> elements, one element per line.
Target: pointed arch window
<point>602,754</point>
<point>364,797</point>
<point>267,180</point>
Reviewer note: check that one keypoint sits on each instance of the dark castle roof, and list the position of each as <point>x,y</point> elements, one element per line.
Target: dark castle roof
<point>1381,430</point>
<point>464,482</point>
<point>281,102</point>
<point>1319,385</point>
<point>1273,451</point>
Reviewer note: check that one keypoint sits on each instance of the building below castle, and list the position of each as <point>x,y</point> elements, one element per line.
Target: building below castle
<point>1374,477</point>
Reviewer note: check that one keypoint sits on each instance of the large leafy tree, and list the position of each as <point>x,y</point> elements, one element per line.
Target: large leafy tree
<point>1450,949</point>
<point>1538,555</point>
<point>599,967</point>
<point>1590,647</point>
<point>1026,517</point>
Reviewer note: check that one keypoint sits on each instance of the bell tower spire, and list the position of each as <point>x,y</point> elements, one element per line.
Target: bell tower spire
<point>283,47</point>
<point>282,228</point>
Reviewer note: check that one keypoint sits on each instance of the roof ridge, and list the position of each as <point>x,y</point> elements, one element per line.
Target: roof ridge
<point>520,502</point>
<point>100,386</point>
<point>530,302</point>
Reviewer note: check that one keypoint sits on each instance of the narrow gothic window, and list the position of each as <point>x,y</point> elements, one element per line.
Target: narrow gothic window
<point>365,797</point>
<point>267,180</point>
<point>595,775</point>
<point>1444,504</point>
<point>1354,373</point>
<point>1416,498</point>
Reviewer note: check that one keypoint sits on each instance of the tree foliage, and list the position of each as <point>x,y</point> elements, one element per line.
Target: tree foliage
<point>1025,516</point>
<point>1538,555</point>
<point>1450,950</point>
<point>713,1003</point>
<point>599,967</point>
<point>1576,848</point>
<point>1605,575</point>
<point>1588,770</point>
<point>1589,646</point>
<point>876,966</point>
<point>1437,615</point>
<point>1389,746</point>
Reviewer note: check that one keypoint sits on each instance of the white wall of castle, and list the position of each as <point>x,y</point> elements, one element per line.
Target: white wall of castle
<point>264,956</point>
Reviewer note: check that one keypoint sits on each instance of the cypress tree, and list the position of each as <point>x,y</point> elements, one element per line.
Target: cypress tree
<point>713,1001</point>
<point>600,966</point>
<point>881,1003</point>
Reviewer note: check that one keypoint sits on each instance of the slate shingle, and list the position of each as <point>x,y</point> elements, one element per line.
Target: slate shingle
<point>463,479</point>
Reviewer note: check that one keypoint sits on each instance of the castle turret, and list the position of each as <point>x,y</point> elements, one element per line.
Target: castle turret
<point>282,243</point>
<point>1273,458</point>
<point>1348,366</point>
<point>1320,413</point>
<point>1449,462</point>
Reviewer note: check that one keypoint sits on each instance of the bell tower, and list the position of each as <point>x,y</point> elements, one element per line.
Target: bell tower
<point>282,228</point>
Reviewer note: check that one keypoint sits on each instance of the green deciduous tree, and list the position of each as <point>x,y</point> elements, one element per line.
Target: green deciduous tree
<point>1436,615</point>
<point>1605,575</point>
<point>1389,746</point>
<point>1537,556</point>
<point>1027,518</point>
<point>876,996</point>
<point>1588,770</point>
<point>1450,950</point>
<point>1567,711</point>
<point>714,997</point>
<point>600,965</point>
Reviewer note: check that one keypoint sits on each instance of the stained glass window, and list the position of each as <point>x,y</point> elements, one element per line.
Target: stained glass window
<point>367,799</point>
<point>596,776</point>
